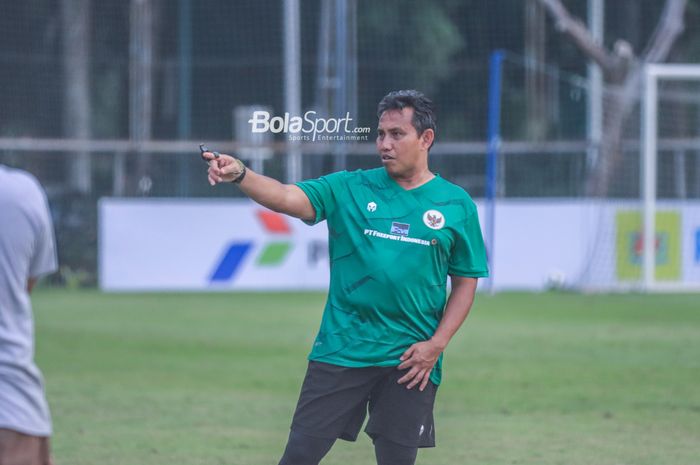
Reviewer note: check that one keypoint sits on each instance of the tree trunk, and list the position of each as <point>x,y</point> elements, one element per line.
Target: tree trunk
<point>75,23</point>
<point>141,51</point>
<point>617,103</point>
<point>535,80</point>
<point>622,71</point>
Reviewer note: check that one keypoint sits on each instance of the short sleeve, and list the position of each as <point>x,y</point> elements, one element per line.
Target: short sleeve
<point>468,257</point>
<point>322,194</point>
<point>44,259</point>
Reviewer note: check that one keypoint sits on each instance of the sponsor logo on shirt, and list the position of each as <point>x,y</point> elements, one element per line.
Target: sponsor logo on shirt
<point>371,207</point>
<point>395,237</point>
<point>400,228</point>
<point>434,219</point>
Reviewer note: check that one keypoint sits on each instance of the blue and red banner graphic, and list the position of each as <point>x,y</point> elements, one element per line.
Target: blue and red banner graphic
<point>272,254</point>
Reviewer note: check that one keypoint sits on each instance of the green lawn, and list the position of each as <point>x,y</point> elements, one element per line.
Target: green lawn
<point>542,379</point>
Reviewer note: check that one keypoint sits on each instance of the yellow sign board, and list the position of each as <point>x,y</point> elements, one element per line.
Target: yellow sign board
<point>629,242</point>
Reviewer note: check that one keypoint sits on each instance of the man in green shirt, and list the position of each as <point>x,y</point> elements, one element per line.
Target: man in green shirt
<point>395,235</point>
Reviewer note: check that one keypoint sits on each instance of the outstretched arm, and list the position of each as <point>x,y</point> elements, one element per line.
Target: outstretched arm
<point>421,357</point>
<point>268,192</point>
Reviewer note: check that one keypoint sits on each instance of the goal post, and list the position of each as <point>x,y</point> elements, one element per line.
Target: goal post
<point>688,278</point>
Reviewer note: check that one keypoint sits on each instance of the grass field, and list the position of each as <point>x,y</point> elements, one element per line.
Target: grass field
<point>213,379</point>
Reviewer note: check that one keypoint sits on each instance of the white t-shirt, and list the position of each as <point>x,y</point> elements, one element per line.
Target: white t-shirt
<point>27,250</point>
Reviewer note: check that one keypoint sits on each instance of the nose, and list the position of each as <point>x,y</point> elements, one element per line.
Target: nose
<point>383,144</point>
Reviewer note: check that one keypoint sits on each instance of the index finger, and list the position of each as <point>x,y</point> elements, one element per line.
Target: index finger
<point>209,156</point>
<point>407,353</point>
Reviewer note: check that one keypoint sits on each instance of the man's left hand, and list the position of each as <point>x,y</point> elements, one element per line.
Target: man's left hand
<point>420,359</point>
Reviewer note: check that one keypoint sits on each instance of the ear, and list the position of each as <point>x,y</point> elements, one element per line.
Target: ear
<point>427,138</point>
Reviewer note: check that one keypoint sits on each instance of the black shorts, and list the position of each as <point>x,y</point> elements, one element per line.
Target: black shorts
<point>334,401</point>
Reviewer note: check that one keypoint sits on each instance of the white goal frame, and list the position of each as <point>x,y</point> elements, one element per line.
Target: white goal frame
<point>652,74</point>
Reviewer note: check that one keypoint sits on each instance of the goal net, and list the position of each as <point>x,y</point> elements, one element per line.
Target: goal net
<point>645,226</point>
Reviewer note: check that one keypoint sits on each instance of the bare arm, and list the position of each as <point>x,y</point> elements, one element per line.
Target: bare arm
<point>268,192</point>
<point>458,305</point>
<point>421,357</point>
<point>30,284</point>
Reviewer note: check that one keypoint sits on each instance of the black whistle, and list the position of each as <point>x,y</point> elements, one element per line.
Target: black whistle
<point>203,148</point>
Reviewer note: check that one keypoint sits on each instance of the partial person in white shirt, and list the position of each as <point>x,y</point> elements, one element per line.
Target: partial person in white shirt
<point>27,252</point>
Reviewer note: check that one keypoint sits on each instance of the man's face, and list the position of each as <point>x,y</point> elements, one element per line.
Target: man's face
<point>400,147</point>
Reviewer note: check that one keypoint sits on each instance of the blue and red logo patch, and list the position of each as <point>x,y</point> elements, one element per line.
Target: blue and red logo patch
<point>400,228</point>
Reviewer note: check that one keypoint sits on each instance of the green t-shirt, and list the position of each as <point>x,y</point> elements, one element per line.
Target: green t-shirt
<point>390,250</point>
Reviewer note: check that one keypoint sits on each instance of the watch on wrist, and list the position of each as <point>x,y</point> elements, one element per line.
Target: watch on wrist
<point>240,177</point>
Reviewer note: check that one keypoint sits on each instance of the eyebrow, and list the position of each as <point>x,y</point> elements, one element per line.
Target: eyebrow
<point>393,128</point>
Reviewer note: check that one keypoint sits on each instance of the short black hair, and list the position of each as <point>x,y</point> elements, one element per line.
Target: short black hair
<point>423,108</point>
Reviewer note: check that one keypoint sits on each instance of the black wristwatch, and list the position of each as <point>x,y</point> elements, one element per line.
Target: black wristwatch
<point>242,175</point>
